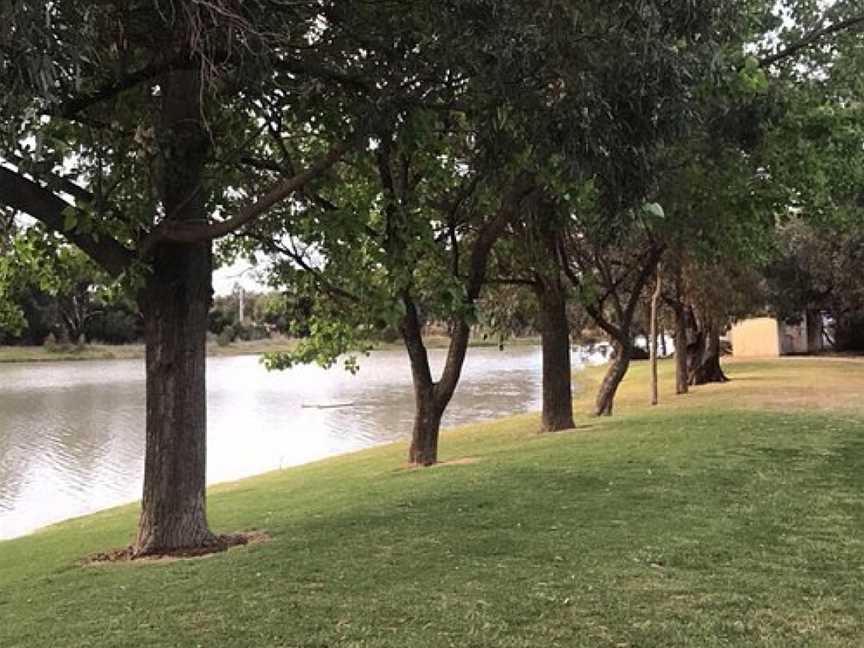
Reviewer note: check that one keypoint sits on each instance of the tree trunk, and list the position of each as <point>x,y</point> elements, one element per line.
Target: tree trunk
<point>427,427</point>
<point>682,378</point>
<point>557,404</point>
<point>814,331</point>
<point>621,333</point>
<point>173,512</point>
<point>430,398</point>
<point>175,302</point>
<point>704,357</point>
<point>655,298</point>
<point>615,374</point>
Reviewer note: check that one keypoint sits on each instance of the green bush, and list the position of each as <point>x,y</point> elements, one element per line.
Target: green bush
<point>226,336</point>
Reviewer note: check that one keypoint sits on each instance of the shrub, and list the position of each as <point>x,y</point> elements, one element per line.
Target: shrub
<point>226,336</point>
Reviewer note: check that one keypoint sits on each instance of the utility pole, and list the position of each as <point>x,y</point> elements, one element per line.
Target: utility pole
<point>241,301</point>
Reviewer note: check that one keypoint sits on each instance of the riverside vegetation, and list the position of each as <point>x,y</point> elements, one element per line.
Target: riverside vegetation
<point>731,516</point>
<point>237,347</point>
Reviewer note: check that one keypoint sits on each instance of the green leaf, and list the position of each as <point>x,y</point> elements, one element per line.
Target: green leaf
<point>655,210</point>
<point>70,219</point>
<point>751,64</point>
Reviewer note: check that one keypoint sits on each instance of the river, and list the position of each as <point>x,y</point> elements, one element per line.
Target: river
<point>72,433</point>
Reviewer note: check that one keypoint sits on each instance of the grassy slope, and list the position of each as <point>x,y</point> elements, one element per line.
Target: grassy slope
<point>731,517</point>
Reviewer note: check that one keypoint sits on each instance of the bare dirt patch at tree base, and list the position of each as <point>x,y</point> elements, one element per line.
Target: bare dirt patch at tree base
<point>217,545</point>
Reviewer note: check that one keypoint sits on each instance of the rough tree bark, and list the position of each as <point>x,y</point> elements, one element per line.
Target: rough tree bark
<point>814,331</point>
<point>557,406</point>
<point>703,354</point>
<point>682,379</point>
<point>676,303</point>
<point>175,301</point>
<point>427,427</point>
<point>430,398</point>
<point>614,375</point>
<point>175,304</point>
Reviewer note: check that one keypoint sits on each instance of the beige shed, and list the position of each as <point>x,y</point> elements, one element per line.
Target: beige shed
<point>761,337</point>
<point>756,337</point>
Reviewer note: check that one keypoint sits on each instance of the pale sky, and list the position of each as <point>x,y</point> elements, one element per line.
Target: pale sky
<point>241,272</point>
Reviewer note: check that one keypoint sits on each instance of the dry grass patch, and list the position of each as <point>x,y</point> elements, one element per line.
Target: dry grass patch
<point>781,384</point>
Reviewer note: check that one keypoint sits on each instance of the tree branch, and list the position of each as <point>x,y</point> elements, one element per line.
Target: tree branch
<point>53,181</point>
<point>592,309</point>
<point>412,334</point>
<point>321,281</point>
<point>489,233</point>
<point>172,231</point>
<point>810,39</point>
<point>69,108</point>
<point>24,195</point>
<point>654,255</point>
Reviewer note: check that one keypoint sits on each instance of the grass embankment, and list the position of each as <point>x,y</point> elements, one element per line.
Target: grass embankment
<point>252,347</point>
<point>730,517</point>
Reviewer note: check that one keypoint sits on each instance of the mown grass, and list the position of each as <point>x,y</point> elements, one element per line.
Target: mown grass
<point>730,517</point>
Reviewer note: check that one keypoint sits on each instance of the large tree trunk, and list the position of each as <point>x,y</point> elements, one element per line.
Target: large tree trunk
<point>814,331</point>
<point>704,355</point>
<point>557,404</point>
<point>175,302</point>
<point>614,375</point>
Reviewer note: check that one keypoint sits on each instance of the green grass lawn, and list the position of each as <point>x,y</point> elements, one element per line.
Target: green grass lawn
<point>733,516</point>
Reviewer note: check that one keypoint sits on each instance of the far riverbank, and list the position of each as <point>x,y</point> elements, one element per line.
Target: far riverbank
<point>252,347</point>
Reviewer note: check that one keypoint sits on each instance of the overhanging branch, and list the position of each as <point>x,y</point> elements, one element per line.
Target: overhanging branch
<point>812,38</point>
<point>70,108</point>
<point>171,231</point>
<point>24,195</point>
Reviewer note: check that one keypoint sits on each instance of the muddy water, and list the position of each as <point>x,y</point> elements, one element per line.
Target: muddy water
<point>72,433</point>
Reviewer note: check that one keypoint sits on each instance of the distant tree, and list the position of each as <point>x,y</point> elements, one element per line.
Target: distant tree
<point>814,151</point>
<point>12,320</point>
<point>817,271</point>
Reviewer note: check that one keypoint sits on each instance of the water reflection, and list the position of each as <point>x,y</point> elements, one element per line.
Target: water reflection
<point>72,434</point>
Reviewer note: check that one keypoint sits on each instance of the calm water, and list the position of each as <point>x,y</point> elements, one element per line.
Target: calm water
<point>72,434</point>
